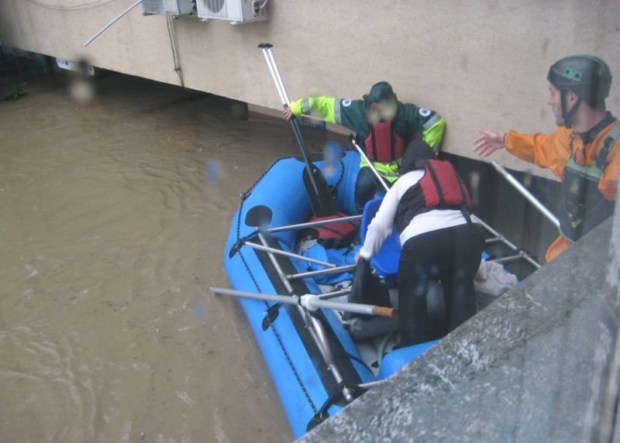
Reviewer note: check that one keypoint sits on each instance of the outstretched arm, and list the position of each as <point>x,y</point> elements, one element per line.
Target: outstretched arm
<point>320,107</point>
<point>547,151</point>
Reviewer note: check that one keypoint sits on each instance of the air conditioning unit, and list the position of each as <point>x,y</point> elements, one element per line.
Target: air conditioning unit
<point>235,11</point>
<point>169,7</point>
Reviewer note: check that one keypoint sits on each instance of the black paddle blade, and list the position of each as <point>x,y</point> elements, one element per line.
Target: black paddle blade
<point>235,248</point>
<point>270,316</point>
<point>258,216</point>
<point>321,199</point>
<point>316,420</point>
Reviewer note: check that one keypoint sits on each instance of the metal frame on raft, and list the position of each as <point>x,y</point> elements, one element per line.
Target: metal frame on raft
<point>308,304</point>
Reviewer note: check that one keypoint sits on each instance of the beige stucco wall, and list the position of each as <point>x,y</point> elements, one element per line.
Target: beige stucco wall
<point>480,63</point>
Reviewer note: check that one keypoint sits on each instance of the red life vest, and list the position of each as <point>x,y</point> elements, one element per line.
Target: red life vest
<point>439,188</point>
<point>334,235</point>
<point>383,144</point>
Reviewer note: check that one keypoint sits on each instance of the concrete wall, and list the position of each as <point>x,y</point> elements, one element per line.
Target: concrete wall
<point>479,63</point>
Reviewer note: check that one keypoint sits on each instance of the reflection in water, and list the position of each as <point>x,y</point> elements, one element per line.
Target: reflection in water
<point>112,226</point>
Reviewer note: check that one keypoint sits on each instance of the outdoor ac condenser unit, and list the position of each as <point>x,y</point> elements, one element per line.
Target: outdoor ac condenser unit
<point>170,7</point>
<point>235,11</point>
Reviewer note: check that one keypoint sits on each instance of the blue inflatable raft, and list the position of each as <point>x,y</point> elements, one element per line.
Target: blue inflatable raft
<point>315,364</point>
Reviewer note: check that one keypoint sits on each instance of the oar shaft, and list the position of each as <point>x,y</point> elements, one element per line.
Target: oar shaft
<point>526,193</point>
<point>354,308</point>
<point>281,93</point>
<point>290,300</point>
<point>290,254</point>
<point>370,165</point>
<point>275,75</point>
<point>337,269</point>
<point>334,294</point>
<point>278,78</point>
<point>311,302</point>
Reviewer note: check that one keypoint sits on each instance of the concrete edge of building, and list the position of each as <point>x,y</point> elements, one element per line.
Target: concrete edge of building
<point>520,370</point>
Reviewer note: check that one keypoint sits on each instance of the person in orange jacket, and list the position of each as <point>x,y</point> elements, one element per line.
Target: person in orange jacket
<point>584,152</point>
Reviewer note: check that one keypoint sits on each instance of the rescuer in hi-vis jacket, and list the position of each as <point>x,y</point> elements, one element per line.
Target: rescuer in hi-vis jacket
<point>383,126</point>
<point>584,152</point>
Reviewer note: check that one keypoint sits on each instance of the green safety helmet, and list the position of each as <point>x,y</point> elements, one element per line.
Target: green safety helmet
<point>379,92</point>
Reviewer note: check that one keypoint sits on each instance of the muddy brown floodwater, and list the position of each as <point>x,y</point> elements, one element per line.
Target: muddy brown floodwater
<point>113,219</point>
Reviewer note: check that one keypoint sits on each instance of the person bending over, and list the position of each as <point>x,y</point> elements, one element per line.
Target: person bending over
<point>429,206</point>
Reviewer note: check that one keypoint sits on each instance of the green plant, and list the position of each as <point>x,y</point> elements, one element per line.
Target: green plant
<point>17,93</point>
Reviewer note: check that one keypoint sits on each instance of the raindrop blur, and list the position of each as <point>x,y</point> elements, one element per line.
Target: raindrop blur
<point>200,310</point>
<point>81,88</point>
<point>474,186</point>
<point>82,91</point>
<point>212,171</point>
<point>527,179</point>
<point>332,152</point>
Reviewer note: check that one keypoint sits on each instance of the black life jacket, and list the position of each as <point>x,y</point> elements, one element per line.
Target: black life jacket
<point>383,144</point>
<point>439,188</point>
<point>583,205</point>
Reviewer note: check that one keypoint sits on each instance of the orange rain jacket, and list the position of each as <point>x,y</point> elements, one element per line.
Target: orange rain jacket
<point>553,152</point>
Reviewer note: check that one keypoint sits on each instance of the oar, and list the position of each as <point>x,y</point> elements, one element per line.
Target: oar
<point>321,200</point>
<point>370,165</point>
<point>312,302</point>
<point>528,195</point>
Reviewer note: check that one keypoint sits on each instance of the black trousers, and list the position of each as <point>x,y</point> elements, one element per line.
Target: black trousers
<point>450,255</point>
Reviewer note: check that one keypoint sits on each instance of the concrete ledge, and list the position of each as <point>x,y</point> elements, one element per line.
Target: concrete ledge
<point>521,370</point>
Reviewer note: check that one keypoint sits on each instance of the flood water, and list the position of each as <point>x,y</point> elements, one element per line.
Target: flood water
<point>113,218</point>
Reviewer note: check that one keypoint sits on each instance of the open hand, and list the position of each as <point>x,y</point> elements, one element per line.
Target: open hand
<point>488,142</point>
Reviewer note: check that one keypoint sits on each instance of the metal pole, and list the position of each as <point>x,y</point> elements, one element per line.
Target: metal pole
<point>370,165</point>
<point>273,76</point>
<point>526,193</point>
<point>311,302</point>
<point>277,73</point>
<point>114,20</point>
<point>290,254</point>
<point>333,294</point>
<point>276,265</point>
<point>519,256</point>
<point>497,235</point>
<point>314,326</point>
<point>290,300</point>
<point>317,332</point>
<point>297,226</point>
<point>335,270</point>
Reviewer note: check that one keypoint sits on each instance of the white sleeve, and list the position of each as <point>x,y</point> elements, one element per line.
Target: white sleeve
<point>381,226</point>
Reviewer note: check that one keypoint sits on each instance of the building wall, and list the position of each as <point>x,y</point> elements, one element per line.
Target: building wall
<point>480,63</point>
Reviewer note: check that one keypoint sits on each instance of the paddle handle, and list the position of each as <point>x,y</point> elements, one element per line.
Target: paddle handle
<point>383,311</point>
